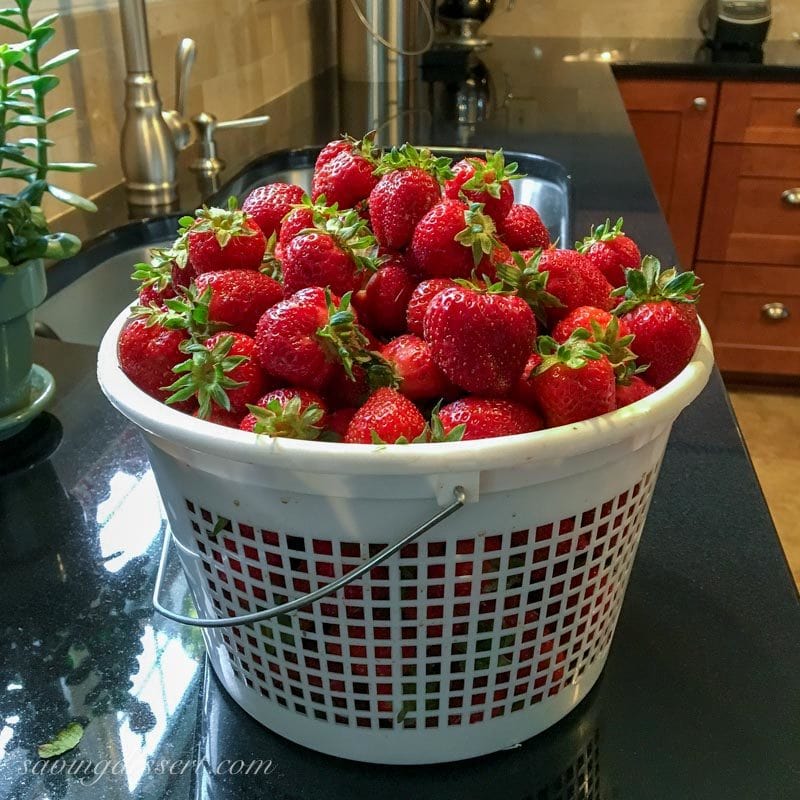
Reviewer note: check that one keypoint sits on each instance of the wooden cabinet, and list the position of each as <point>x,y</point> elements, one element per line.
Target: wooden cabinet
<point>673,122</point>
<point>730,190</point>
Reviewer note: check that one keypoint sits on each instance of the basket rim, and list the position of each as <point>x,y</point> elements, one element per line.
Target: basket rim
<point>644,418</point>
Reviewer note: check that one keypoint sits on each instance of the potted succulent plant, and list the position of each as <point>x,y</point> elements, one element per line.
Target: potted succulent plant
<point>26,242</point>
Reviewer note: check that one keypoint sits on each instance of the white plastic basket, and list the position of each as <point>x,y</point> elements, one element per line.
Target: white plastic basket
<point>482,633</point>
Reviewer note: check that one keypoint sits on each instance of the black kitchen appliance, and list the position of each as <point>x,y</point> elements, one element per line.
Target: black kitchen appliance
<point>736,23</point>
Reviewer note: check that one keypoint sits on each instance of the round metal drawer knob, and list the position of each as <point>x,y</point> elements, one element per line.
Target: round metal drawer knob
<point>775,312</point>
<point>791,196</point>
<point>700,103</point>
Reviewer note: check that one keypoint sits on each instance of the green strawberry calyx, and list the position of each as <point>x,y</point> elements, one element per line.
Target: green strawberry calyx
<point>529,282</point>
<point>601,233</point>
<point>490,173</point>
<point>188,312</point>
<point>318,207</point>
<point>204,375</point>
<point>271,265</point>
<point>574,353</point>
<point>479,233</point>
<point>289,420</point>
<point>651,284</point>
<point>343,341</point>
<point>407,156</point>
<point>351,232</point>
<point>224,223</point>
<point>437,433</point>
<point>622,358</point>
<point>365,147</point>
<point>157,272</point>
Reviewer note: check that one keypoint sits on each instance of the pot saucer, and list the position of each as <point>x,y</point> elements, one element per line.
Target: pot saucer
<point>43,386</point>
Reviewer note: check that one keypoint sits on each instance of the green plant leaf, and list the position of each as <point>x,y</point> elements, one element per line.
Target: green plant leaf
<point>25,80</point>
<point>61,114</point>
<point>59,60</point>
<point>26,119</point>
<point>61,245</point>
<point>30,141</point>
<point>45,21</point>
<point>70,166</point>
<point>70,198</point>
<point>24,5</point>
<point>9,12</point>
<point>17,158</point>
<point>42,36</point>
<point>7,23</point>
<point>62,742</point>
<point>44,83</point>
<point>18,105</point>
<point>16,172</point>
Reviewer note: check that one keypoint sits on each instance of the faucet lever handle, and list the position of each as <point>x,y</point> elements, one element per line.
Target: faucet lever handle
<point>208,163</point>
<point>246,122</point>
<point>184,61</point>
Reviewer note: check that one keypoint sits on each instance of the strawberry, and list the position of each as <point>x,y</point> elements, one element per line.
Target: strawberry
<point>220,373</point>
<point>302,216</point>
<point>387,417</point>
<point>383,301</point>
<point>155,278</point>
<point>334,255</point>
<point>452,240</point>
<point>522,229</point>
<point>408,188</point>
<point>222,238</point>
<point>635,389</point>
<point>147,352</point>
<point>524,390</point>
<point>268,205</point>
<point>220,417</point>
<point>591,288</point>
<point>290,413</point>
<point>348,177</point>
<point>239,296</point>
<point>486,418</point>
<point>575,380</point>
<point>418,375</point>
<point>302,339</point>
<point>658,308</point>
<point>611,251</point>
<point>582,317</point>
<point>480,338</point>
<point>486,181</point>
<point>346,144</point>
<point>419,300</point>
<point>338,422</point>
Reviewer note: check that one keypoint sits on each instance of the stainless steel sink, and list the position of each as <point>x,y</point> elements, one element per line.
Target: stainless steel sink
<point>88,291</point>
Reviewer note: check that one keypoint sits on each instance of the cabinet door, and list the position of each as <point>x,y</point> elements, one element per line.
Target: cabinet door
<point>759,113</point>
<point>673,122</point>
<point>752,210</point>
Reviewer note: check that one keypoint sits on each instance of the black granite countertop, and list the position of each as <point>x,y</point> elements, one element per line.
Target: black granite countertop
<point>700,697</point>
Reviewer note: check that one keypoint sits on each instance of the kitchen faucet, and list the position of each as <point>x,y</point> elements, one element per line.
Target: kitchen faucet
<point>152,137</point>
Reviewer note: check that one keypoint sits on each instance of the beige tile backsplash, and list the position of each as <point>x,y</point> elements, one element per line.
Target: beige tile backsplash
<point>619,18</point>
<point>248,53</point>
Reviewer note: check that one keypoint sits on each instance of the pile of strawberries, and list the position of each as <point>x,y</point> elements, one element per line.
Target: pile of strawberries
<point>406,300</point>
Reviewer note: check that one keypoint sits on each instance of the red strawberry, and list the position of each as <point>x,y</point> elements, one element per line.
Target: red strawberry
<point>302,339</point>
<point>220,417</point>
<point>452,240</point>
<point>524,391</point>
<point>598,289</point>
<point>383,301</point>
<point>420,378</point>
<point>155,278</point>
<point>419,300</point>
<point>347,179</point>
<point>575,380</point>
<point>387,417</point>
<point>658,308</point>
<point>339,421</point>
<point>268,205</point>
<point>220,372</point>
<point>611,251</point>
<point>334,257</point>
<point>486,418</point>
<point>147,352</point>
<point>239,296</point>
<point>582,317</point>
<point>302,217</point>
<point>523,229</point>
<point>290,413</point>
<point>486,181</point>
<point>223,238</point>
<point>407,190</point>
<point>635,389</point>
<point>347,144</point>
<point>480,338</point>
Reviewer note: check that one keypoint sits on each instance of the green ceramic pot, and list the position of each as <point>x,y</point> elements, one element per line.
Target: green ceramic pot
<point>20,293</point>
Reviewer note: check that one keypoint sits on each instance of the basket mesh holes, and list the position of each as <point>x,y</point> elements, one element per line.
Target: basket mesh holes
<point>445,633</point>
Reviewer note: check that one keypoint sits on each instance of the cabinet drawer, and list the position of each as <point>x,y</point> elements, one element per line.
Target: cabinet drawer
<point>759,113</point>
<point>753,314</point>
<point>748,217</point>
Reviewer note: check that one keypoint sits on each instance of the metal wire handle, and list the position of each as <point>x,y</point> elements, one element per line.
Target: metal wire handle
<point>386,43</point>
<point>292,605</point>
